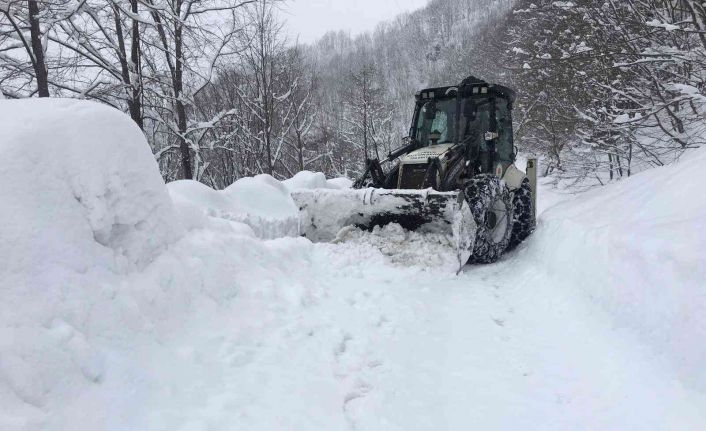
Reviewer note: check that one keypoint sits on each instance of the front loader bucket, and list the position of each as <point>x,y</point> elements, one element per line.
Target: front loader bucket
<point>324,212</point>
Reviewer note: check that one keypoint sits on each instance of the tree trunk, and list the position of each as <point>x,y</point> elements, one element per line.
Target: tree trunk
<point>136,79</point>
<point>365,116</point>
<point>300,147</point>
<point>40,68</point>
<point>179,103</point>
<point>183,144</point>
<point>133,102</point>
<point>610,163</point>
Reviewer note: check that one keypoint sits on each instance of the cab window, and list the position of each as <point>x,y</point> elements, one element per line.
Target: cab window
<point>435,122</point>
<point>505,144</point>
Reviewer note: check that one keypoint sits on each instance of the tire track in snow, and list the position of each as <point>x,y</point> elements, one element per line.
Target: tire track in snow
<point>502,346</point>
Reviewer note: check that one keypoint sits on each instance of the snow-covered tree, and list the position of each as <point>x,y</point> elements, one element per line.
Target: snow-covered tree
<point>368,115</point>
<point>625,79</point>
<point>23,63</point>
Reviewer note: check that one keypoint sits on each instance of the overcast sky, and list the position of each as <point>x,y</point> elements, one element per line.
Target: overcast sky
<point>310,19</point>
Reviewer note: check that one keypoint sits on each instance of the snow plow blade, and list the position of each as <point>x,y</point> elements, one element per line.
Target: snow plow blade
<point>324,212</point>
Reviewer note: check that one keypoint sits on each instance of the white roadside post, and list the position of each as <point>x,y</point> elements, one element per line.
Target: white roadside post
<point>532,175</point>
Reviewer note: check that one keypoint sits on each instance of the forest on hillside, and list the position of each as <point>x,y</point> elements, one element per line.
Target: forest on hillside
<point>606,88</point>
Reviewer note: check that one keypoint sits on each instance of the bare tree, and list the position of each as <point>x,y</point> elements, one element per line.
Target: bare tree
<point>369,116</point>
<point>267,94</point>
<point>21,17</point>
<point>302,76</point>
<point>188,39</point>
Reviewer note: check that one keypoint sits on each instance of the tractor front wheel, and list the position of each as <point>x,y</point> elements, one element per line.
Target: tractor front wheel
<point>522,217</point>
<point>491,205</point>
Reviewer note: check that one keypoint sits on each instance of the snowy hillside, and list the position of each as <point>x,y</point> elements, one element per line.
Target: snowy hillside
<point>128,304</point>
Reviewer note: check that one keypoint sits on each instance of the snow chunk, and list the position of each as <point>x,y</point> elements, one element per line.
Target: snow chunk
<point>306,180</point>
<point>259,206</point>
<point>316,180</point>
<point>340,183</point>
<point>201,207</point>
<point>264,204</point>
<point>404,248</point>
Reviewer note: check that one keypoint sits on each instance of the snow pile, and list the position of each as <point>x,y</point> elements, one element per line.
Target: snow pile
<point>638,248</point>
<point>316,180</point>
<point>83,185</point>
<point>201,207</point>
<point>405,248</point>
<point>102,278</point>
<point>260,202</point>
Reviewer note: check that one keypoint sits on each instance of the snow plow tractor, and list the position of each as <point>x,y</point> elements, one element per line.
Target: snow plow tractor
<point>454,175</point>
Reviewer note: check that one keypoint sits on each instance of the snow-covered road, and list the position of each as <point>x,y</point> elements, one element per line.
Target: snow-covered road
<point>375,346</point>
<point>500,347</point>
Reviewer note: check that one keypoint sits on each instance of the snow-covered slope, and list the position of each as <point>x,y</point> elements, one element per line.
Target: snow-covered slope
<point>128,304</point>
<point>638,249</point>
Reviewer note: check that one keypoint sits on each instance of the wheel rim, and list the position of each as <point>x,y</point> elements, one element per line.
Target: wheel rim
<point>496,220</point>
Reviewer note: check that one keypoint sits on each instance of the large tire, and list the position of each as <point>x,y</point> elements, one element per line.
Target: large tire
<point>491,206</point>
<point>522,225</point>
<point>453,176</point>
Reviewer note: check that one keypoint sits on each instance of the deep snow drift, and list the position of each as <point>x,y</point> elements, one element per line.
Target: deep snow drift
<point>99,270</point>
<point>128,304</point>
<point>78,187</point>
<point>638,249</point>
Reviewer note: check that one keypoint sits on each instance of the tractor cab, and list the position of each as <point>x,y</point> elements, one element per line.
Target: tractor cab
<point>475,117</point>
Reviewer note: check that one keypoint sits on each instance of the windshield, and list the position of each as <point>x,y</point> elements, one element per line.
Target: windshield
<point>475,123</point>
<point>435,122</point>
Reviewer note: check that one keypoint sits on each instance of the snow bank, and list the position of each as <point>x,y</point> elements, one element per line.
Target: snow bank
<point>638,249</point>
<point>102,276</point>
<point>260,202</point>
<point>83,202</point>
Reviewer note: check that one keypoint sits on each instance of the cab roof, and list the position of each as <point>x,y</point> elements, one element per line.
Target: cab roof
<point>467,87</point>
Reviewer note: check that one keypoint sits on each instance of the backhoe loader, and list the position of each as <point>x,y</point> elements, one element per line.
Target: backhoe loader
<point>455,174</point>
